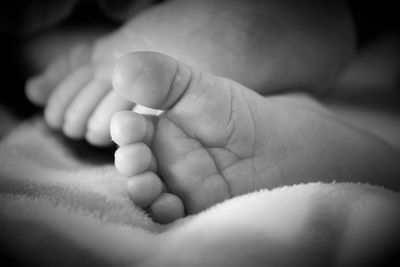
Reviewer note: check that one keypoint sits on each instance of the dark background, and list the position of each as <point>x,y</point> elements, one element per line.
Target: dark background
<point>14,72</point>
<point>372,19</point>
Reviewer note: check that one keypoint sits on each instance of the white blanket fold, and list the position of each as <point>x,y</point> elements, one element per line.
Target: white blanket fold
<point>58,209</point>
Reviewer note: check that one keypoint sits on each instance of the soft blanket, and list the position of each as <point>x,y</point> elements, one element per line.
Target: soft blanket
<point>63,204</point>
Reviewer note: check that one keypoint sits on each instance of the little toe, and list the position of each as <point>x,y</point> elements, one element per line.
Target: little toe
<point>134,159</point>
<point>144,188</point>
<point>65,92</point>
<point>167,208</point>
<point>98,127</point>
<point>129,127</point>
<point>82,106</point>
<point>39,88</point>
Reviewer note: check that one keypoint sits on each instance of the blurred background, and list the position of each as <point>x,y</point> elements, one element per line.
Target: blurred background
<point>33,33</point>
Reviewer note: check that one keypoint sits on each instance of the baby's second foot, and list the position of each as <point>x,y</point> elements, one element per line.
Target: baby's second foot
<point>260,44</point>
<point>218,139</point>
<point>76,89</point>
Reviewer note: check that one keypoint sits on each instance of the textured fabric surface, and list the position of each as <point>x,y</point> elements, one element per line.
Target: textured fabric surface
<point>63,204</point>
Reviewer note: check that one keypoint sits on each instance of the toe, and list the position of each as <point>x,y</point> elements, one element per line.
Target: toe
<point>167,208</point>
<point>134,159</point>
<point>82,106</point>
<point>39,88</point>
<point>65,92</point>
<point>160,82</point>
<point>98,127</point>
<point>129,127</point>
<point>144,188</point>
<point>151,79</point>
<point>198,114</point>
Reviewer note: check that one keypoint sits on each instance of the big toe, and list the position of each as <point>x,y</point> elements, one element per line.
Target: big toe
<point>200,101</point>
<point>198,115</point>
<point>151,79</point>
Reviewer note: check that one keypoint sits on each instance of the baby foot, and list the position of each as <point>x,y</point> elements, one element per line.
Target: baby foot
<point>229,39</point>
<point>217,139</point>
<point>76,92</point>
<point>76,89</point>
<point>212,142</point>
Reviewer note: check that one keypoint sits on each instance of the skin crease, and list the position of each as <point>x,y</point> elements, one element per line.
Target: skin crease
<point>289,53</point>
<point>207,149</point>
<point>353,228</point>
<point>291,29</point>
<point>358,241</point>
<point>369,216</point>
